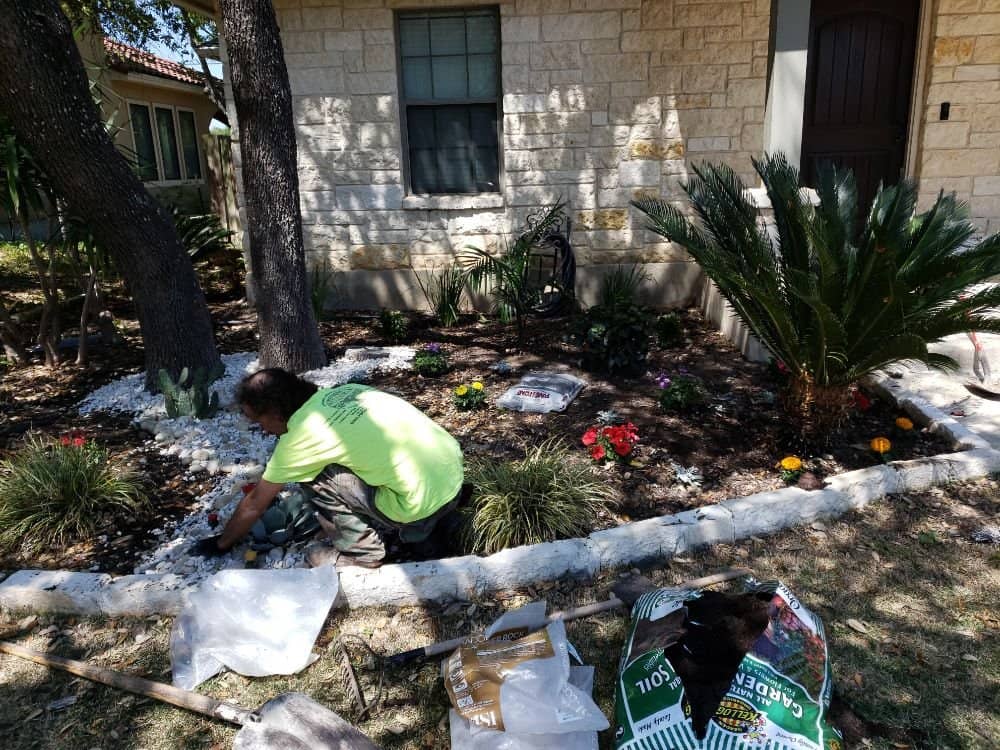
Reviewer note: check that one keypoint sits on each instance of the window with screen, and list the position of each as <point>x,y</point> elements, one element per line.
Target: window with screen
<point>449,99</point>
<point>142,135</point>
<point>165,140</point>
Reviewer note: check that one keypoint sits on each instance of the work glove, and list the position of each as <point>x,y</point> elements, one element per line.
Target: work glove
<point>208,547</point>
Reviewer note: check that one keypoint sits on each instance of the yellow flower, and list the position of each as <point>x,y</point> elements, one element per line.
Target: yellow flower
<point>461,390</point>
<point>791,463</point>
<point>904,424</point>
<point>880,445</point>
<point>477,386</point>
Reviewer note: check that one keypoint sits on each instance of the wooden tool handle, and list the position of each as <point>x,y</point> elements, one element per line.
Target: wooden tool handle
<point>443,647</point>
<point>192,701</point>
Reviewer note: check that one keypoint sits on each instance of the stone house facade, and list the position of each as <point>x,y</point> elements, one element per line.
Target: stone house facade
<point>598,101</point>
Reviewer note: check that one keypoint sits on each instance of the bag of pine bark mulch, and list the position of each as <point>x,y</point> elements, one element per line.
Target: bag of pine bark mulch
<point>711,671</point>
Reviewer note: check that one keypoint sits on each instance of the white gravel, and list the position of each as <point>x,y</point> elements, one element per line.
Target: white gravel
<point>226,447</point>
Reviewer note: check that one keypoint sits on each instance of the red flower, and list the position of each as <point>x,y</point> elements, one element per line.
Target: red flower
<point>597,452</point>
<point>622,448</point>
<point>590,436</point>
<point>79,442</point>
<point>862,401</point>
<point>64,440</point>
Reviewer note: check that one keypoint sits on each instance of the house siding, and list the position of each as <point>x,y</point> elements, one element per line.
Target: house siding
<point>603,101</point>
<point>962,154</point>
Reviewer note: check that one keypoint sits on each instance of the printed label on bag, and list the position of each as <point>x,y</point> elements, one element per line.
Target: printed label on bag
<point>474,673</point>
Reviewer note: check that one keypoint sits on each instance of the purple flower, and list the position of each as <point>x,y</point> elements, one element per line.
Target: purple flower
<point>662,380</point>
<point>433,348</point>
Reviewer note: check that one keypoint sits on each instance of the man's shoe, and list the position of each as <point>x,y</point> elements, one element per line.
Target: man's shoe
<point>324,554</point>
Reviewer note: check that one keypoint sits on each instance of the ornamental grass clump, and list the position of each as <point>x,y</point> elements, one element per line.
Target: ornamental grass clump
<point>836,291</point>
<point>469,396</point>
<point>548,495</point>
<point>55,491</point>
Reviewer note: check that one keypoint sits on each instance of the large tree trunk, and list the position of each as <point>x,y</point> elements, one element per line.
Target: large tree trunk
<point>289,336</point>
<point>45,94</point>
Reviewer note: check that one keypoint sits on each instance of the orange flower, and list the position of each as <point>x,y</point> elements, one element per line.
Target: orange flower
<point>791,463</point>
<point>880,445</point>
<point>903,423</point>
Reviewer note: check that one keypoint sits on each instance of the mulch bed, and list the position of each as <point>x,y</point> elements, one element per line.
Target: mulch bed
<point>736,441</point>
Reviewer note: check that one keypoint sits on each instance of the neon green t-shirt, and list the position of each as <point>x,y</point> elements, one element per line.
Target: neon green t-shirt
<point>414,464</point>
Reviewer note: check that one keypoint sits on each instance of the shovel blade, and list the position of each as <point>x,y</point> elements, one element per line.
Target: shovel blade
<point>295,721</point>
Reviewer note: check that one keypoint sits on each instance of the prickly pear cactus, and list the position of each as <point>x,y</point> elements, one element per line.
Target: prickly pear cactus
<point>191,400</point>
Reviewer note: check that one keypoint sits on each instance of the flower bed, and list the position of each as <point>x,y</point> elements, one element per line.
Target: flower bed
<point>656,460</point>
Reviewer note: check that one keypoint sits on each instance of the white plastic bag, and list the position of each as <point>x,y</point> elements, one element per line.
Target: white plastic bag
<point>516,681</point>
<point>467,736</point>
<point>541,392</point>
<point>255,622</point>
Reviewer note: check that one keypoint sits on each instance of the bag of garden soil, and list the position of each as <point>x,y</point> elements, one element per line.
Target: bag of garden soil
<point>711,671</point>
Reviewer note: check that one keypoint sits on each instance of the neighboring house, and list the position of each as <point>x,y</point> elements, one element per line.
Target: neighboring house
<point>424,126</point>
<point>162,114</point>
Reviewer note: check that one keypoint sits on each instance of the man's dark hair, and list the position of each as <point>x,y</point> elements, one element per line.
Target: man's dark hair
<point>274,391</point>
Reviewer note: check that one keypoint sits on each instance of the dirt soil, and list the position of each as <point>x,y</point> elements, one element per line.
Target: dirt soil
<point>735,441</point>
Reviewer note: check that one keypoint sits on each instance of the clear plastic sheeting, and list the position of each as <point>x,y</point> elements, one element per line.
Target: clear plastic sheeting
<point>254,622</point>
<point>514,689</point>
<point>542,392</point>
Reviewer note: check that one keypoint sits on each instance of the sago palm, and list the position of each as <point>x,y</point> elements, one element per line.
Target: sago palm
<point>831,297</point>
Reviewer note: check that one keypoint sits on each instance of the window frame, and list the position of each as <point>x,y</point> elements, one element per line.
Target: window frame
<point>151,107</point>
<point>403,102</point>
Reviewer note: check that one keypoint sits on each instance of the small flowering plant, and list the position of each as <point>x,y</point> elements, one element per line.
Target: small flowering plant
<point>73,439</point>
<point>611,442</point>
<point>881,446</point>
<point>904,424</point>
<point>467,397</point>
<point>681,392</point>
<point>430,361</point>
<point>791,469</point>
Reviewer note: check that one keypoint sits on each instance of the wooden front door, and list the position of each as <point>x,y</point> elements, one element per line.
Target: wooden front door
<point>858,81</point>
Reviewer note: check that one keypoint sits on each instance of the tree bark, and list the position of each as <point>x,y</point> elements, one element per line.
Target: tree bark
<point>45,94</point>
<point>289,336</point>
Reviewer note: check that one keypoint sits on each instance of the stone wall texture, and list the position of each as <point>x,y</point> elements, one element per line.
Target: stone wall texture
<point>603,100</point>
<point>962,154</point>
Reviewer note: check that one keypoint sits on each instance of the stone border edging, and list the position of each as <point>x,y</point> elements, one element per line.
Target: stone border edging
<point>636,543</point>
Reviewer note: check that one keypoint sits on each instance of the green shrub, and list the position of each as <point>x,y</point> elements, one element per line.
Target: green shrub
<point>430,361</point>
<point>53,492</point>
<point>669,330</point>
<point>189,396</point>
<point>443,291</point>
<point>393,326</point>
<point>681,393</point>
<point>615,339</point>
<point>321,284</point>
<point>202,235</point>
<point>837,293</point>
<point>550,494</point>
<point>614,334</point>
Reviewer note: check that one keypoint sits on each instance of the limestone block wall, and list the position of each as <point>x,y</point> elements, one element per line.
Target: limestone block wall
<point>962,153</point>
<point>603,100</point>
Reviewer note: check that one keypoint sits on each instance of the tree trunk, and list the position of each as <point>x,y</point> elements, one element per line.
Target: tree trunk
<point>289,336</point>
<point>11,336</point>
<point>45,94</point>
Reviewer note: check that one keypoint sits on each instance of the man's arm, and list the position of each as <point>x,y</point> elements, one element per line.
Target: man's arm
<point>247,512</point>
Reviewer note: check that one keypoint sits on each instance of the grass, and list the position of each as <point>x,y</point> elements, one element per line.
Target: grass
<point>550,494</point>
<point>927,599</point>
<point>52,492</point>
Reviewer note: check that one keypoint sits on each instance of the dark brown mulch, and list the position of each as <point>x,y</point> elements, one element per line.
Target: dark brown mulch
<point>736,441</point>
